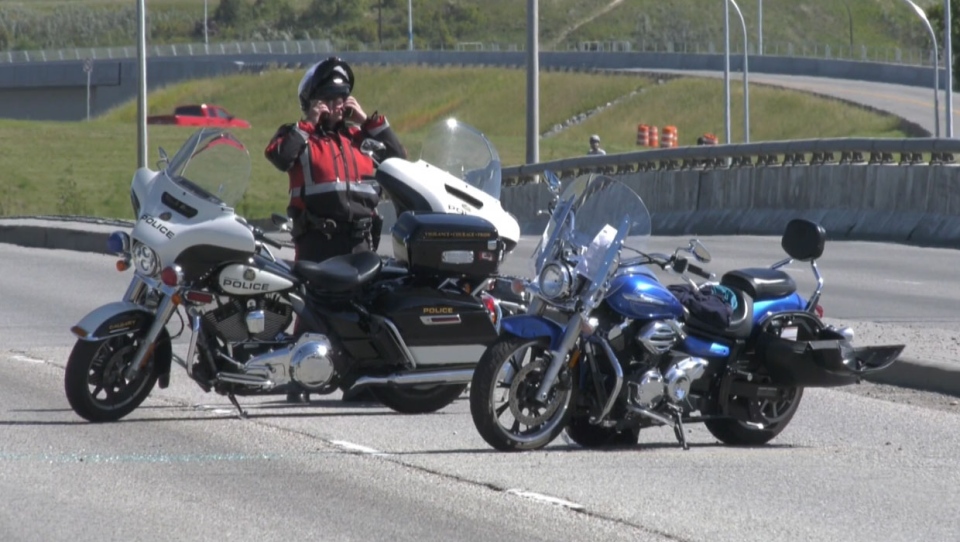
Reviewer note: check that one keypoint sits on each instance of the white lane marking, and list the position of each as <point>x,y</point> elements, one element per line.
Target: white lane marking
<point>909,282</point>
<point>25,358</point>
<point>546,498</point>
<point>351,447</point>
<point>215,409</point>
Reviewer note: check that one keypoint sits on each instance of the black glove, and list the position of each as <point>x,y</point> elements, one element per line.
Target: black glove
<point>375,229</point>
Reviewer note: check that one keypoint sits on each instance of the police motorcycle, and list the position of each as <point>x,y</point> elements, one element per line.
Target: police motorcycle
<point>458,172</point>
<point>404,329</point>
<point>625,353</point>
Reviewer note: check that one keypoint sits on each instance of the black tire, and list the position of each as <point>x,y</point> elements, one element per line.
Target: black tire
<point>776,418</point>
<point>417,400</point>
<point>93,381</point>
<point>544,426</point>
<point>588,435</point>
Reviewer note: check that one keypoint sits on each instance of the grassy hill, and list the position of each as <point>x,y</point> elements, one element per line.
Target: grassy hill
<point>383,23</point>
<point>89,171</point>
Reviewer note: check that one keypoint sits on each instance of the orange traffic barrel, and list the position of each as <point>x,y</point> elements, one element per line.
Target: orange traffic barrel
<point>643,135</point>
<point>669,137</point>
<point>654,140</point>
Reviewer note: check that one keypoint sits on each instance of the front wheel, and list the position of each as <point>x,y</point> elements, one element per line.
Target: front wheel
<point>503,391</point>
<point>95,382</point>
<point>418,400</point>
<point>774,416</point>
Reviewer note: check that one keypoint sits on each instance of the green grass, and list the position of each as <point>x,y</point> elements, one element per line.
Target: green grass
<point>91,175</point>
<point>876,23</point>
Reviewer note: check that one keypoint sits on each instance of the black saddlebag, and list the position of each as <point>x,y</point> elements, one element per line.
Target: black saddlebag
<point>818,357</point>
<point>447,245</point>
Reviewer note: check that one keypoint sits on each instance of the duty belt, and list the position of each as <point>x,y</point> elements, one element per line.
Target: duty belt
<point>358,228</point>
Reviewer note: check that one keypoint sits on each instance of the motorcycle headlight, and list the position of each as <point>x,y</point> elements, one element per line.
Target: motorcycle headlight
<point>145,260</point>
<point>554,281</point>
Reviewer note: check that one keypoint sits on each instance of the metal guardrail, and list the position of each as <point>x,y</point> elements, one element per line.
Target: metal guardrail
<point>801,152</point>
<point>886,55</point>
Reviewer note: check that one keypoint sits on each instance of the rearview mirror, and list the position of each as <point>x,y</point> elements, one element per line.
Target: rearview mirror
<point>553,182</point>
<point>164,159</point>
<point>699,251</point>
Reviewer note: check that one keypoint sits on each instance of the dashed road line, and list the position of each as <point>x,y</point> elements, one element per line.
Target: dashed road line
<point>546,499</point>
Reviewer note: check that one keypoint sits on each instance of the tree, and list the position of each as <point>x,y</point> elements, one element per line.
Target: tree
<point>935,15</point>
<point>231,12</point>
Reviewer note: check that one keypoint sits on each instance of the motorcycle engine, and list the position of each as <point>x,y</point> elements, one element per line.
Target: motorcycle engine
<point>258,318</point>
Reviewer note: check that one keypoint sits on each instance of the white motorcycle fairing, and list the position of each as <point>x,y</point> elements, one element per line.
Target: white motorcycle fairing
<point>182,227</point>
<point>240,279</point>
<point>420,186</point>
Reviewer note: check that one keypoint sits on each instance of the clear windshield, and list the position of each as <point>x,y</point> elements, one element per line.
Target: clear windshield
<point>462,151</point>
<point>593,218</point>
<point>212,164</point>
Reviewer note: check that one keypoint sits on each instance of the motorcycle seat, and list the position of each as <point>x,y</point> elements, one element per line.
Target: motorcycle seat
<point>760,283</point>
<point>340,273</point>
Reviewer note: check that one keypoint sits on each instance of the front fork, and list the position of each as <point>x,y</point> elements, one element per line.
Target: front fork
<point>570,335</point>
<point>167,306</point>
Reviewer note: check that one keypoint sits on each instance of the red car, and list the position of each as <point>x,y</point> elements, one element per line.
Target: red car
<point>199,115</point>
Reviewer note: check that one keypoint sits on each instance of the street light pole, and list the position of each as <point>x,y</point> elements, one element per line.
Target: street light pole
<point>746,88</point>
<point>142,83</point>
<point>760,28</point>
<point>936,66</point>
<point>205,40</point>
<point>410,24</point>
<point>948,46</point>
<point>726,72</point>
<point>533,82</point>
<point>726,68</point>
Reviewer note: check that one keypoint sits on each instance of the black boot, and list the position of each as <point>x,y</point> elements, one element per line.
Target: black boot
<point>298,397</point>
<point>362,395</point>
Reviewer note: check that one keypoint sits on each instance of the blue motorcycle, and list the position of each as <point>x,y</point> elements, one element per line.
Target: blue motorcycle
<point>605,349</point>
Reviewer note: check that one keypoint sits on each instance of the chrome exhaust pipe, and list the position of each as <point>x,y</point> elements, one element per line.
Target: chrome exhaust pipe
<point>245,379</point>
<point>652,415</point>
<point>460,376</point>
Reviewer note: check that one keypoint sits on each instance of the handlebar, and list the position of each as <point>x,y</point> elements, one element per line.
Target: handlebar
<point>699,271</point>
<point>262,237</point>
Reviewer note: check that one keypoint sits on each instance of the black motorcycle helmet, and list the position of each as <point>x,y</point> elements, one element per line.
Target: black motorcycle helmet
<point>330,77</point>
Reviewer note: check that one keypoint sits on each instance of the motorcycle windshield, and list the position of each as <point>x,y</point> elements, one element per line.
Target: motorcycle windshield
<point>464,152</point>
<point>594,217</point>
<point>213,165</point>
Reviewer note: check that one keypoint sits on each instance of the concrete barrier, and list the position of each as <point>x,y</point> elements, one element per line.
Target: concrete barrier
<point>908,204</point>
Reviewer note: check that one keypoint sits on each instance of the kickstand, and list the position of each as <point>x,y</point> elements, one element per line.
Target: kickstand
<point>233,399</point>
<point>678,429</point>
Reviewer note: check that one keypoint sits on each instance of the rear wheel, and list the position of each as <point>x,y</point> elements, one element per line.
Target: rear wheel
<point>95,379</point>
<point>419,399</point>
<point>503,391</point>
<point>774,416</point>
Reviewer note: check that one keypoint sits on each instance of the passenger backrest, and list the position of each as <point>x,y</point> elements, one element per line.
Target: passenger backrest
<point>803,240</point>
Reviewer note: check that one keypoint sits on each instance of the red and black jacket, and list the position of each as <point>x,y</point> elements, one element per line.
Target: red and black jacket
<point>326,167</point>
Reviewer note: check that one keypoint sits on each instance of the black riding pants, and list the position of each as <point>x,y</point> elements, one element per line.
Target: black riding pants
<point>315,246</point>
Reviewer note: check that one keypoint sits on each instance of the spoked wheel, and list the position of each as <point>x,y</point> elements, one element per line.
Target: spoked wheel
<point>503,396</point>
<point>95,381</point>
<point>774,415</point>
<point>418,399</point>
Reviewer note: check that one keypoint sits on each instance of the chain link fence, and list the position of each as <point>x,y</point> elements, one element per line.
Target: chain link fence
<point>888,55</point>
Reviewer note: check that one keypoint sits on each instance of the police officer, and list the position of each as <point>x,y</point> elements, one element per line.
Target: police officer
<point>334,210</point>
<point>332,203</point>
<point>595,145</point>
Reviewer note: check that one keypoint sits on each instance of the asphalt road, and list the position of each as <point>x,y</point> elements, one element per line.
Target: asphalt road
<point>914,104</point>
<point>184,467</point>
